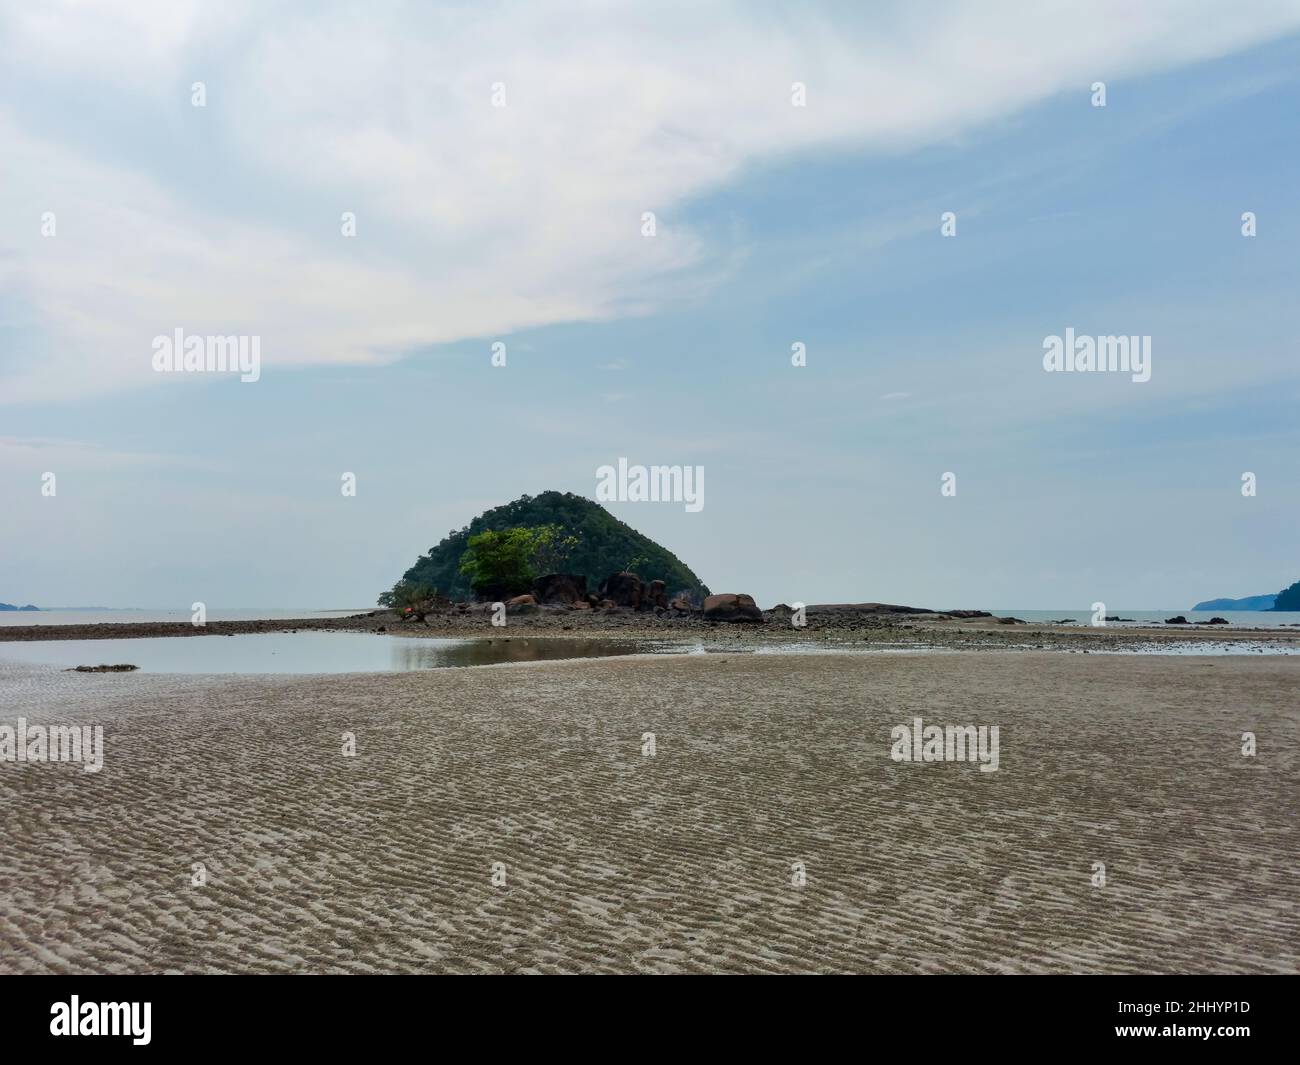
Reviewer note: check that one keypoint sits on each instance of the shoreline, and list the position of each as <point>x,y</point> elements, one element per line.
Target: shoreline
<point>836,628</point>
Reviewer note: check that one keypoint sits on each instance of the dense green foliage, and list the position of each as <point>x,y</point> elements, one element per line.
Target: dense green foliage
<point>603,545</point>
<point>1288,598</point>
<point>500,564</point>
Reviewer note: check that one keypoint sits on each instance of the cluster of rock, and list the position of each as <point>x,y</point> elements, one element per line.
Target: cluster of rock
<point>121,668</point>
<point>626,591</point>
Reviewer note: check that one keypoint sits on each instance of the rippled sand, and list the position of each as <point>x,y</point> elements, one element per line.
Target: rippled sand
<point>617,862</point>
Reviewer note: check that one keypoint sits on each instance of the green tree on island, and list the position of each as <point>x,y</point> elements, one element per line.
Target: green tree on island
<point>506,563</point>
<point>412,599</point>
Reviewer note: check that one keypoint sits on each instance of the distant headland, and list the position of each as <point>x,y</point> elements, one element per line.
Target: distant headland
<point>10,606</point>
<point>1250,602</point>
<point>1287,599</point>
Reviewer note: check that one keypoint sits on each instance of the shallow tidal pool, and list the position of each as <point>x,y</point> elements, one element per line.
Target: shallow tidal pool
<point>306,652</point>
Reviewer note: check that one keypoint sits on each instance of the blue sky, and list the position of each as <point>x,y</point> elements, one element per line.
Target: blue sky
<point>775,226</point>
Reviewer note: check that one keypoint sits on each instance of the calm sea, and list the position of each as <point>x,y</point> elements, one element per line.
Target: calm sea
<point>1242,619</point>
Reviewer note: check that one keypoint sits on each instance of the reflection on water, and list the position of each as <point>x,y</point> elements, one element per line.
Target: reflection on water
<point>306,652</point>
<point>416,654</point>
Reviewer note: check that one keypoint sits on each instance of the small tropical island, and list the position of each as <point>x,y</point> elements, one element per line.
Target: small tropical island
<point>556,549</point>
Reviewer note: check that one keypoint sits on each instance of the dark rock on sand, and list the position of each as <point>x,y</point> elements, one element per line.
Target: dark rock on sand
<point>122,668</point>
<point>1179,620</point>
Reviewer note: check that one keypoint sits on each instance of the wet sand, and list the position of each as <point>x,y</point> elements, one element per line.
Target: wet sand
<point>681,862</point>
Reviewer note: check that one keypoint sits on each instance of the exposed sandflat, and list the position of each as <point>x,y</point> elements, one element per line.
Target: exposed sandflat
<point>681,862</point>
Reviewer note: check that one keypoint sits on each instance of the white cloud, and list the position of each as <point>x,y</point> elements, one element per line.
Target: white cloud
<point>472,220</point>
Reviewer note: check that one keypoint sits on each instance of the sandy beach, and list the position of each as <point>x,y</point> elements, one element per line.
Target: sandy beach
<point>683,861</point>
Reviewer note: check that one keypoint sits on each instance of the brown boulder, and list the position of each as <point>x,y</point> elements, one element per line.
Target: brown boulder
<point>731,608</point>
<point>625,589</point>
<point>521,604</point>
<point>563,588</point>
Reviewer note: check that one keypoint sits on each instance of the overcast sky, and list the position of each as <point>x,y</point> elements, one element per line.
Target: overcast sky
<point>127,212</point>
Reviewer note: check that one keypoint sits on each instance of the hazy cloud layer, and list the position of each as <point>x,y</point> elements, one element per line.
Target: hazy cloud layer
<point>472,220</point>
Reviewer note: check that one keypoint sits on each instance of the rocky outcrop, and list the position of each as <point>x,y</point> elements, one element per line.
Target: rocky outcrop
<point>731,607</point>
<point>1179,620</point>
<point>865,608</point>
